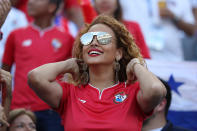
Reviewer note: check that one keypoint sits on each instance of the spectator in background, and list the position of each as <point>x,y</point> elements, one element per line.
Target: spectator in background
<point>14,20</point>
<point>39,43</point>
<point>163,26</point>
<point>5,6</point>
<point>69,16</point>
<point>158,121</point>
<point>71,10</point>
<point>194,8</point>
<point>113,8</point>
<point>62,22</point>
<point>190,43</point>
<point>21,119</point>
<point>5,77</point>
<point>6,96</point>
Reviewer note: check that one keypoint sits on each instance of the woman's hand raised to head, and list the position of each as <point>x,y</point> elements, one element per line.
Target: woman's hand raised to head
<point>74,67</point>
<point>131,76</point>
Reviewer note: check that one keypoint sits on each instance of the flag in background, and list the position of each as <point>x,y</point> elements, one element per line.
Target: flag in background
<point>182,78</point>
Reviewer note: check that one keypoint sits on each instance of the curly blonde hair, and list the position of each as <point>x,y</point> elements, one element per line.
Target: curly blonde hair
<point>124,40</point>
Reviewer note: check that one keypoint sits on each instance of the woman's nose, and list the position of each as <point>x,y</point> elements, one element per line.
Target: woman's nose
<point>94,41</point>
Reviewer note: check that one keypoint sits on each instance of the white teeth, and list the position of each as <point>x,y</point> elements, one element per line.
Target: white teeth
<point>95,52</point>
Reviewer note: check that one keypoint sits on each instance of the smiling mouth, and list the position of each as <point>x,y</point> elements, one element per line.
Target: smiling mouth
<point>94,53</point>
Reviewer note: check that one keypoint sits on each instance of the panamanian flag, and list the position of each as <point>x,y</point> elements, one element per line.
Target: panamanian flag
<point>182,78</point>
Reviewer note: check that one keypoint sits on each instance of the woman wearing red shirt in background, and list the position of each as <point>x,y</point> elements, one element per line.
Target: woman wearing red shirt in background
<point>71,9</point>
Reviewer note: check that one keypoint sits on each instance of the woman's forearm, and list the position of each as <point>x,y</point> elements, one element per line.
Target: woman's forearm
<point>151,88</point>
<point>52,70</point>
<point>43,81</point>
<point>8,100</point>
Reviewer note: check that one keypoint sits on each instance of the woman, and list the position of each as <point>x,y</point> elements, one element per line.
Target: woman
<point>113,8</point>
<point>105,58</point>
<point>21,120</point>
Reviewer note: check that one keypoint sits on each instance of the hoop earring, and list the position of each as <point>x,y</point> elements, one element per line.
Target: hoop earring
<point>117,69</point>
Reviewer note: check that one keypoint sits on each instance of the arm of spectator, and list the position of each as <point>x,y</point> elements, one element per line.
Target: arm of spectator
<point>74,14</point>
<point>88,11</point>
<point>6,67</point>
<point>188,28</point>
<point>6,83</point>
<point>194,10</point>
<point>3,120</point>
<point>5,6</point>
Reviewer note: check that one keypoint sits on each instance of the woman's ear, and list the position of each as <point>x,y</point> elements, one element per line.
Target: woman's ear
<point>119,54</point>
<point>161,106</point>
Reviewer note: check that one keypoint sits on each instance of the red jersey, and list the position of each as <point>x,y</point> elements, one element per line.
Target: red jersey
<point>85,108</point>
<point>135,30</point>
<point>29,48</point>
<point>70,4</point>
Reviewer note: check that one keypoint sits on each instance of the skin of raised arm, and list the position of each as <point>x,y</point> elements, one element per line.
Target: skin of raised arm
<point>43,80</point>
<point>151,92</point>
<point>3,119</point>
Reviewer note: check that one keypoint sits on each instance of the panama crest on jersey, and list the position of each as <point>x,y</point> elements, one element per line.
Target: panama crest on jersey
<point>56,44</point>
<point>120,97</point>
<point>27,43</point>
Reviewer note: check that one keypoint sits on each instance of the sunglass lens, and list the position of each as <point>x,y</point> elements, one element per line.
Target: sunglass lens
<point>104,38</point>
<point>86,38</point>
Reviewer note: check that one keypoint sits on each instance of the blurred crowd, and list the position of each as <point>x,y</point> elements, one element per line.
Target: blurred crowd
<point>37,32</point>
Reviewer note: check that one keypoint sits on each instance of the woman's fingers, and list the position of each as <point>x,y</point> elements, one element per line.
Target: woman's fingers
<point>3,122</point>
<point>131,78</point>
<point>5,77</point>
<point>3,119</point>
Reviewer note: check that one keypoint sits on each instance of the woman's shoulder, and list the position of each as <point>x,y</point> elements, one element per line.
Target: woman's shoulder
<point>131,86</point>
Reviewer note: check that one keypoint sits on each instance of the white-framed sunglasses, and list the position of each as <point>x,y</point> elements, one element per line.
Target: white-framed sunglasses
<point>103,38</point>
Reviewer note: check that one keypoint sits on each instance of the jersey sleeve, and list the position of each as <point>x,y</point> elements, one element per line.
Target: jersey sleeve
<point>141,113</point>
<point>8,56</point>
<point>63,102</point>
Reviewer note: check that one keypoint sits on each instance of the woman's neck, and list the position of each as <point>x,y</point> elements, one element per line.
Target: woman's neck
<point>101,77</point>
